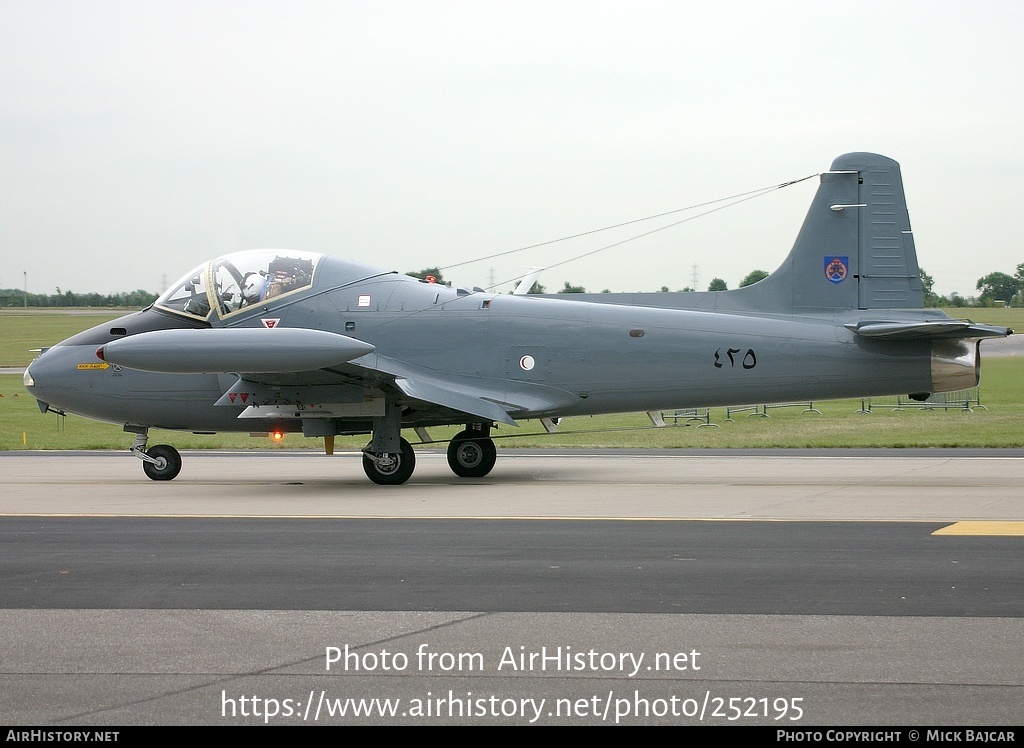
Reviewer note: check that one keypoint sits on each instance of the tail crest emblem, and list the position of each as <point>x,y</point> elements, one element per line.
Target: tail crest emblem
<point>836,268</point>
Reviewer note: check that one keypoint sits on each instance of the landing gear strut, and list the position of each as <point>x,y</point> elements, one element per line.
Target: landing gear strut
<point>160,462</point>
<point>471,453</point>
<point>388,459</point>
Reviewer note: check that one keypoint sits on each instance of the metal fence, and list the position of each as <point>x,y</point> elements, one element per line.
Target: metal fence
<point>761,411</point>
<point>966,400</point>
<point>688,416</point>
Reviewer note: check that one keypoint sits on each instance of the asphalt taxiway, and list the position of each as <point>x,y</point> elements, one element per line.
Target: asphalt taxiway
<point>853,588</point>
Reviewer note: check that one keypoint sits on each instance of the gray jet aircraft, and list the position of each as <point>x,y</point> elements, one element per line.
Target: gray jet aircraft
<point>282,341</point>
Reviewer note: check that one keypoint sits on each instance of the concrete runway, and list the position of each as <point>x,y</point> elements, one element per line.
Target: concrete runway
<point>85,638</point>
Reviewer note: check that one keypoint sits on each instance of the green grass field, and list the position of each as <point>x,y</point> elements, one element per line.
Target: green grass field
<point>22,426</point>
<point>22,330</point>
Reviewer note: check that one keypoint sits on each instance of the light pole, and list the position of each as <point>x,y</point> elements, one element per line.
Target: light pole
<point>25,273</point>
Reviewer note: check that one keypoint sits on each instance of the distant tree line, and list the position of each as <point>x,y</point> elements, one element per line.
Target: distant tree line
<point>15,297</point>
<point>997,290</point>
<point>1000,287</point>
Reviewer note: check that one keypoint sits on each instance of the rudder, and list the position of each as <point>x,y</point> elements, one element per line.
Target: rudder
<point>889,277</point>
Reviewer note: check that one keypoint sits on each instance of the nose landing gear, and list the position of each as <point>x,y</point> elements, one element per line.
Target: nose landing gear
<point>160,462</point>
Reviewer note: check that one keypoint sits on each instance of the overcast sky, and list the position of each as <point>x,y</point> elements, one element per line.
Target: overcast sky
<point>138,139</point>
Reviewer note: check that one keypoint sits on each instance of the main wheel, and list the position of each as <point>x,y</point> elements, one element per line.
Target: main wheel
<point>394,473</point>
<point>167,465</point>
<point>471,455</point>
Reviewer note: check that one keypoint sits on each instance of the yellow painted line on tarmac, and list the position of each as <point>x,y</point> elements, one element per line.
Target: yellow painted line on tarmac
<point>1003,529</point>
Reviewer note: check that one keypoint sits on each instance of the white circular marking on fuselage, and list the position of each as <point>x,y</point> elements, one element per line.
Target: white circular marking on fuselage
<point>527,363</point>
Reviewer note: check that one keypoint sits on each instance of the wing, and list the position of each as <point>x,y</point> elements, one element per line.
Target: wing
<point>360,388</point>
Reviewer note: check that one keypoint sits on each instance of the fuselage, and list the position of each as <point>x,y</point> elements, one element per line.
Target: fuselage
<point>542,356</point>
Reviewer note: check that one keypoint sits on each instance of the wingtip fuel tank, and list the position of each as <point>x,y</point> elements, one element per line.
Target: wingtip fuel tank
<point>258,350</point>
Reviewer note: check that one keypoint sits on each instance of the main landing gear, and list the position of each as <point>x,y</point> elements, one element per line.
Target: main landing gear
<point>471,453</point>
<point>160,462</point>
<point>390,468</point>
<point>388,459</point>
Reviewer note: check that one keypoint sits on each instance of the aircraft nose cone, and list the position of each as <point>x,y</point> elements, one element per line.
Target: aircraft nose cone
<point>32,379</point>
<point>29,380</point>
<point>51,376</point>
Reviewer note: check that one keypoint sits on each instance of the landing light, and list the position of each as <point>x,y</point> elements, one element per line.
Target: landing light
<point>277,436</point>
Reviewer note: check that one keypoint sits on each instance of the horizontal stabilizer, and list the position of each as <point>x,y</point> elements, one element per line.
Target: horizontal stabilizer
<point>938,328</point>
<point>251,349</point>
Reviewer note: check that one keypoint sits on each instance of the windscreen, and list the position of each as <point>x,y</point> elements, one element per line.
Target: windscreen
<point>234,282</point>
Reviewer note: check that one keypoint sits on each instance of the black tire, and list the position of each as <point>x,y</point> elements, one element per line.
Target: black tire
<point>397,473</point>
<point>167,465</point>
<point>471,455</point>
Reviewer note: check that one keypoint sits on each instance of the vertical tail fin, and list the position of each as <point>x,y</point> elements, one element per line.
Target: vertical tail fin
<point>855,249</point>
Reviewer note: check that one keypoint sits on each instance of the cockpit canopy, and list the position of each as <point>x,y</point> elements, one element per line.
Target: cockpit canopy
<point>234,282</point>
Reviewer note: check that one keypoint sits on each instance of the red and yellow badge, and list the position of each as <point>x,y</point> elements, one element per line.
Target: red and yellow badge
<point>836,268</point>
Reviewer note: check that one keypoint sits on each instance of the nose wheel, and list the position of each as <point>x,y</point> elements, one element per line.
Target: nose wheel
<point>161,462</point>
<point>165,465</point>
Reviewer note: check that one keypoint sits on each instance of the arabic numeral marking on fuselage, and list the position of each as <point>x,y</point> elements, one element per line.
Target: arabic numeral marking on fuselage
<point>747,361</point>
